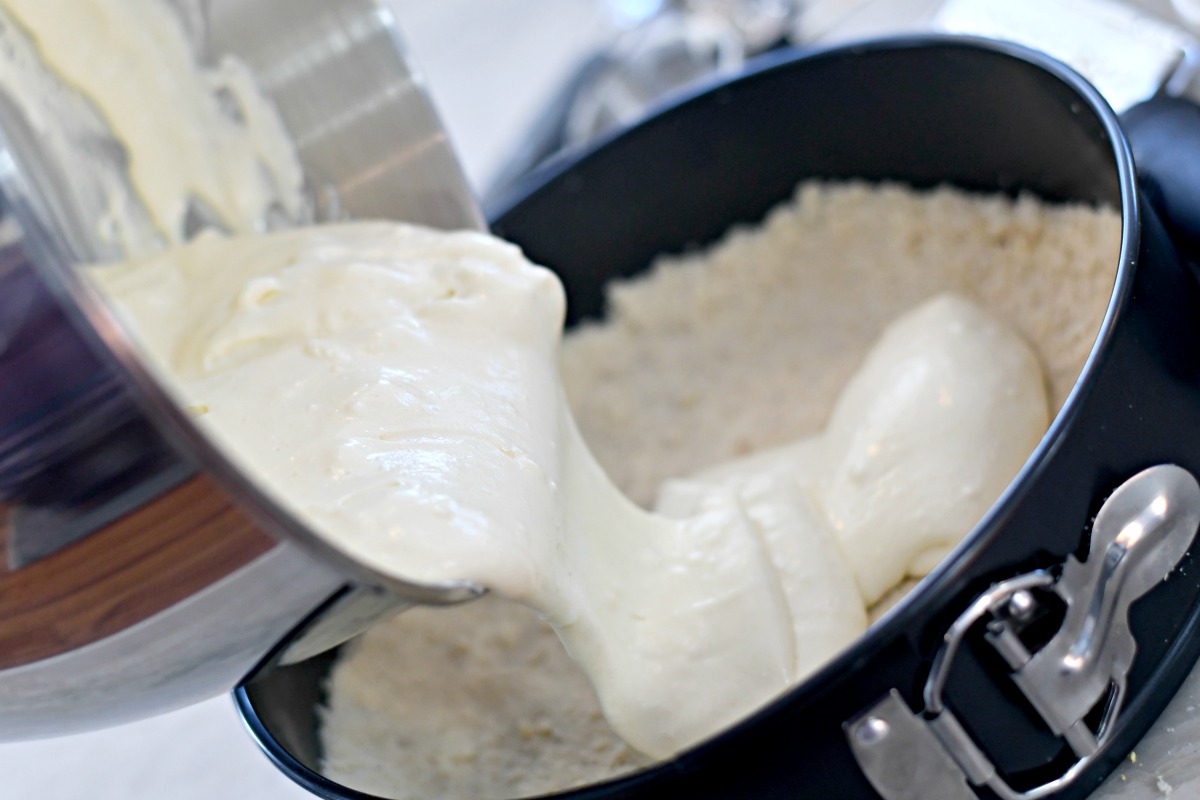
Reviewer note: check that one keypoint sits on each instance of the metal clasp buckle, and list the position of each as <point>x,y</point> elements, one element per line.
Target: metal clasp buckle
<point>1141,532</point>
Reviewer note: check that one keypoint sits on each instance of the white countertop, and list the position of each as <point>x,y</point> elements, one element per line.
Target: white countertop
<point>490,64</point>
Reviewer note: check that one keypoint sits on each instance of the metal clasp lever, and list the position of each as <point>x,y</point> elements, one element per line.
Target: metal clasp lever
<point>1141,532</point>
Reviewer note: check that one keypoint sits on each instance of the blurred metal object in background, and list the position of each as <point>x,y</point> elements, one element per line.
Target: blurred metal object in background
<point>1131,50</point>
<point>1188,9</point>
<point>1127,54</point>
<point>665,46</point>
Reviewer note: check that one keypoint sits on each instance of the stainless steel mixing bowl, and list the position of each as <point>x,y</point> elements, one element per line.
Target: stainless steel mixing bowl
<point>142,571</point>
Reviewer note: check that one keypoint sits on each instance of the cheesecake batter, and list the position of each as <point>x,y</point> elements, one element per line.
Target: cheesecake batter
<point>397,388</point>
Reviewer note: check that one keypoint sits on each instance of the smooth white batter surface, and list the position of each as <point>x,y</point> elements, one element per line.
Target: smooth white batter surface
<point>398,388</point>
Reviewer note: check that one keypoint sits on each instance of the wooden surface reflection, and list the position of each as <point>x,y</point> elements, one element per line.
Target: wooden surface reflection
<point>124,573</point>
